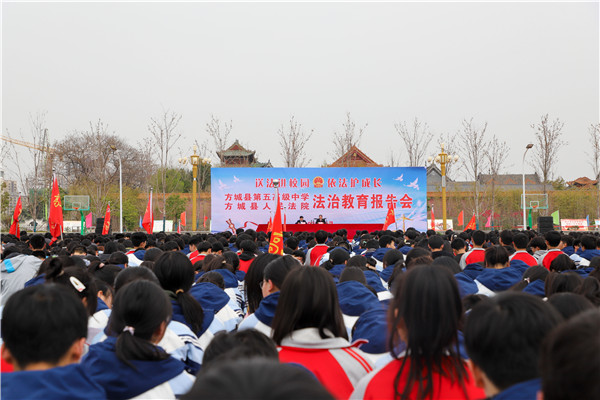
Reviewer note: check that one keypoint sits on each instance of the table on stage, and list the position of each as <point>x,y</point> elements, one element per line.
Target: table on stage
<point>351,228</point>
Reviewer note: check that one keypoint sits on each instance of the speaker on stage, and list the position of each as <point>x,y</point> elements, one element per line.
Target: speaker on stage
<point>99,225</point>
<point>545,224</point>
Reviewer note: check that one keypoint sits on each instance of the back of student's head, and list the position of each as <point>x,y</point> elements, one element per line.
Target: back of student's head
<point>449,263</point>
<point>353,274</point>
<point>458,244</point>
<point>232,259</point>
<point>257,378</point>
<point>133,274</point>
<point>213,277</point>
<point>37,242</point>
<point>104,272</point>
<point>507,237</point>
<point>152,254</point>
<point>561,282</point>
<point>391,257</point>
<point>308,300</point>
<point>77,280</point>
<point>569,360</point>
<point>385,240</point>
<point>569,304</point>
<point>357,261</point>
<point>176,276</point>
<point>416,253</point>
<point>590,289</point>
<point>321,236</point>
<point>562,262</point>
<point>503,336</point>
<point>137,238</point>
<point>531,274</point>
<point>588,242</point>
<point>235,346</point>
<point>141,310</point>
<point>118,258</point>
<point>520,241</point>
<point>553,238</point>
<point>496,256</point>
<point>538,242</point>
<point>41,323</point>
<point>253,278</point>
<point>435,242</point>
<point>277,270</point>
<point>478,238</point>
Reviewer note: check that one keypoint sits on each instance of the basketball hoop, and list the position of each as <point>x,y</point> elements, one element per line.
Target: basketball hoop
<point>534,207</point>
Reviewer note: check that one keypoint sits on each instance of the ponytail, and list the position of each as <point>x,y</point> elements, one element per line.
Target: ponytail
<point>191,309</point>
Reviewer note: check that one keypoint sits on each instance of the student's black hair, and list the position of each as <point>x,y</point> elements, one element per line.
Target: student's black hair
<point>216,261</point>
<point>253,279</point>
<point>391,257</point>
<point>507,237</point>
<point>321,236</point>
<point>138,311</point>
<point>216,247</point>
<point>118,258</point>
<point>106,273</point>
<point>176,276</point>
<point>235,346</point>
<point>299,254</point>
<point>37,242</point>
<point>279,268</point>
<point>152,254</point>
<point>257,378</point>
<point>385,240</point>
<point>567,240</point>
<point>137,238</point>
<point>40,323</point>
<point>319,310</point>
<point>553,238</point>
<point>588,242</point>
<point>478,238</point>
<point>569,360</point>
<point>353,274</point>
<point>449,263</point>
<point>431,329</point>
<point>435,242</point>
<point>357,261</point>
<point>569,304</point>
<point>520,241</point>
<point>503,336</point>
<point>213,277</point>
<point>561,263</point>
<point>458,244</point>
<point>232,259</point>
<point>531,274</point>
<point>495,255</point>
<point>76,279</point>
<point>590,289</point>
<point>416,253</point>
<point>336,257</point>
<point>133,274</point>
<point>203,247</point>
<point>538,241</point>
<point>292,243</point>
<point>561,282</point>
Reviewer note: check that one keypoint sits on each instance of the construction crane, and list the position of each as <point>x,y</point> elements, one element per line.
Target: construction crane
<point>34,146</point>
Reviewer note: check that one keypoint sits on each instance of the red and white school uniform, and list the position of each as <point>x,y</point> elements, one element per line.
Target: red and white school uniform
<point>314,254</point>
<point>335,362</point>
<point>547,258</point>
<point>475,255</point>
<point>524,256</point>
<point>379,384</point>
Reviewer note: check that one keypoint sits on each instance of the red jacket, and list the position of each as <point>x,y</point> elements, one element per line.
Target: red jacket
<point>380,385</point>
<point>524,256</point>
<point>335,363</point>
<point>313,255</point>
<point>549,257</point>
<point>476,255</point>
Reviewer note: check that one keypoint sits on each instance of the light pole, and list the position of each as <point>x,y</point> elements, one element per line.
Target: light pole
<point>530,145</point>
<point>443,158</point>
<point>114,148</point>
<point>194,160</point>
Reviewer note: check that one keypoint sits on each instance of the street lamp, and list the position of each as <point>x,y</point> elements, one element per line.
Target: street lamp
<point>195,161</point>
<point>114,148</point>
<point>530,145</point>
<point>443,158</point>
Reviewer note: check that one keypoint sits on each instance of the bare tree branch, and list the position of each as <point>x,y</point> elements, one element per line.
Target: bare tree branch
<point>450,146</point>
<point>416,140</point>
<point>293,143</point>
<point>496,155</point>
<point>548,137</point>
<point>219,134</point>
<point>594,134</point>
<point>348,137</point>
<point>472,142</point>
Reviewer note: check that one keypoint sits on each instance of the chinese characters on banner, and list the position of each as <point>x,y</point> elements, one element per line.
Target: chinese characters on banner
<point>342,195</point>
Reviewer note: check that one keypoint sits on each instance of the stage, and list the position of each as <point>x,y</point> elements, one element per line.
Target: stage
<point>351,228</point>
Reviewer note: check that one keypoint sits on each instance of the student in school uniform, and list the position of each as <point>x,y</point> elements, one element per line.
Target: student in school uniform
<point>552,243</point>
<point>354,296</point>
<point>129,364</point>
<point>520,241</point>
<point>476,254</point>
<point>43,331</point>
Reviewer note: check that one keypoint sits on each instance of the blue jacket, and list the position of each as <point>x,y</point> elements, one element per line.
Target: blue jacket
<point>498,280</point>
<point>387,273</point>
<point>355,298</point>
<point>473,270</point>
<point>523,391</point>
<point>336,271</point>
<point>372,325</point>
<point>569,250</point>
<point>583,272</point>
<point>209,316</point>
<point>266,310</point>
<point>230,279</point>
<point>69,382</point>
<point>101,305</point>
<point>210,296</point>
<point>379,253</point>
<point>466,284</point>
<point>405,249</point>
<point>38,280</point>
<point>589,254</point>
<point>119,380</point>
<point>374,281</point>
<point>536,288</point>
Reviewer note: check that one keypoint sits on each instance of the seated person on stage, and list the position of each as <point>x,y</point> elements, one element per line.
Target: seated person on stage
<point>301,220</point>
<point>320,220</point>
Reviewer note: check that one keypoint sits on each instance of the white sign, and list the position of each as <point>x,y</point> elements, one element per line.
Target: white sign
<point>158,225</point>
<point>439,224</point>
<point>573,224</point>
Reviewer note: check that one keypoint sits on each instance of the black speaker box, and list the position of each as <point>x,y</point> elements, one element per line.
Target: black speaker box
<point>99,225</point>
<point>545,224</point>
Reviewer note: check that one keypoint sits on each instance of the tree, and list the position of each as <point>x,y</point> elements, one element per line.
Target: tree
<point>293,142</point>
<point>218,133</point>
<point>548,138</point>
<point>450,147</point>
<point>6,218</point>
<point>175,206</point>
<point>90,167</point>
<point>416,140</point>
<point>472,142</point>
<point>165,135</point>
<point>349,136</point>
<point>594,133</point>
<point>496,154</point>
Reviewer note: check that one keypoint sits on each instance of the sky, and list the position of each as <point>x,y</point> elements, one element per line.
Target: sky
<point>258,64</point>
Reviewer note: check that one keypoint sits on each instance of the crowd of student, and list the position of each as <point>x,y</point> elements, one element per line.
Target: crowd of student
<point>382,315</point>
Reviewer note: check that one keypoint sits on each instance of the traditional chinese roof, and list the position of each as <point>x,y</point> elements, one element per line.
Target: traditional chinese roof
<point>583,182</point>
<point>354,158</point>
<point>235,150</point>
<point>237,156</point>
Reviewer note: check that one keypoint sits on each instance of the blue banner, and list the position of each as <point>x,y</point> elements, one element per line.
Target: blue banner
<point>246,197</point>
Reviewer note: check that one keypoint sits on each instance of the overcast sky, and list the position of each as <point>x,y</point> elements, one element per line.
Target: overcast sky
<point>257,64</point>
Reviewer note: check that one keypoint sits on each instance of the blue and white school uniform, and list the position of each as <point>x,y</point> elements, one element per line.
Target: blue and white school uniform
<point>135,257</point>
<point>498,280</point>
<point>210,325</point>
<point>98,322</point>
<point>376,283</point>
<point>232,287</point>
<point>68,382</point>
<point>354,299</point>
<point>372,327</point>
<point>262,318</point>
<point>211,297</point>
<point>162,379</point>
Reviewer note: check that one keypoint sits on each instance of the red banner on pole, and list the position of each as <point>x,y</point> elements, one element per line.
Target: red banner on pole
<point>276,242</point>
<point>55,217</point>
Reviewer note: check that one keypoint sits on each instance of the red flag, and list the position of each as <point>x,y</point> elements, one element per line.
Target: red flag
<point>205,218</point>
<point>488,224</point>
<point>472,224</point>
<point>390,218</point>
<point>284,222</point>
<point>461,218</point>
<point>276,242</point>
<point>432,219</point>
<point>14,228</point>
<point>88,220</point>
<point>148,221</point>
<point>106,226</point>
<point>55,217</point>
<point>270,225</point>
<point>182,218</point>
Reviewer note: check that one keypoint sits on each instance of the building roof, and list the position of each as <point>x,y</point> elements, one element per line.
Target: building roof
<point>583,182</point>
<point>235,150</point>
<point>354,158</point>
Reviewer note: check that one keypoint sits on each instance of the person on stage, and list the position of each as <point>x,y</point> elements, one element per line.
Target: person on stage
<point>320,220</point>
<point>301,220</point>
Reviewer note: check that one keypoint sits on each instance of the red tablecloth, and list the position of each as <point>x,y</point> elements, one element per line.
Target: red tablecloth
<point>351,228</point>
